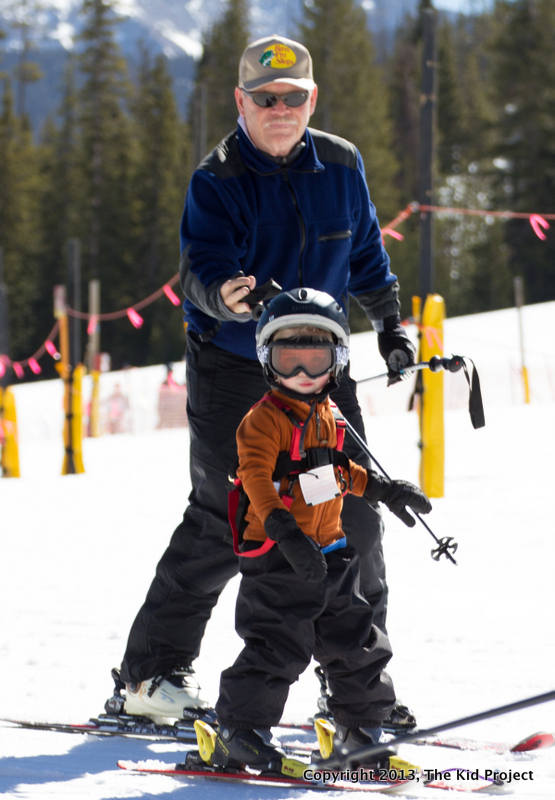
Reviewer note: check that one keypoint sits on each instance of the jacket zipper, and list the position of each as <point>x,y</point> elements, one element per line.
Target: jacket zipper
<point>301,223</point>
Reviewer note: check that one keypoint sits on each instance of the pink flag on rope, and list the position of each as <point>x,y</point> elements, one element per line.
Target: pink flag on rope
<point>393,233</point>
<point>51,348</point>
<point>171,295</point>
<point>136,319</point>
<point>35,366</point>
<point>18,369</point>
<point>535,221</point>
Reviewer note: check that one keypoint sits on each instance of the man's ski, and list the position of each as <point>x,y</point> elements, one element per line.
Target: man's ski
<point>143,728</point>
<point>336,781</point>
<point>134,727</point>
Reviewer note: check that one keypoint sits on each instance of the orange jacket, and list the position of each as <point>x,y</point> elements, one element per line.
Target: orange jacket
<point>266,431</point>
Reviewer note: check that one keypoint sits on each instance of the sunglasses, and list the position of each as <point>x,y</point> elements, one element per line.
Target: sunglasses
<point>268,100</point>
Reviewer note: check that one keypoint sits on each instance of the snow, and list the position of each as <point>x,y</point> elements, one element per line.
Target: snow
<point>78,554</point>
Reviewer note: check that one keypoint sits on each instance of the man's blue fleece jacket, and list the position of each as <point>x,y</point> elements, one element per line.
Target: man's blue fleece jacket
<point>306,223</point>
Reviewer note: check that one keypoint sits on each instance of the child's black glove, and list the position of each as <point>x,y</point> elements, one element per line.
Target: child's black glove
<point>396,495</point>
<point>300,550</point>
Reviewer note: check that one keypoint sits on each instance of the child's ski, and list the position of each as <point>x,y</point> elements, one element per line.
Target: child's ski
<point>446,779</point>
<point>536,741</point>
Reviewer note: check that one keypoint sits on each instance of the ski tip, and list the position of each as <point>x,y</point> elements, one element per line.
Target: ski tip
<point>538,741</point>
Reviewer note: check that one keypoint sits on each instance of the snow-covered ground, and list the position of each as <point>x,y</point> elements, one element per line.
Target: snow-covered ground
<point>78,553</point>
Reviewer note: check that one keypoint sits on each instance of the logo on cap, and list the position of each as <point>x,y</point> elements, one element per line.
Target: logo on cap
<point>278,56</point>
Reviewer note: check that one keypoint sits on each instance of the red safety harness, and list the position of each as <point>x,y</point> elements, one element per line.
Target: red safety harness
<point>288,464</point>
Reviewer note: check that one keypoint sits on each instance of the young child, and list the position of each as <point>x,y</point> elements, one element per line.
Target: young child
<point>299,595</point>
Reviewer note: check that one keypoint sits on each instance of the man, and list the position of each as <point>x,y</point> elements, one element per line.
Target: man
<point>273,200</point>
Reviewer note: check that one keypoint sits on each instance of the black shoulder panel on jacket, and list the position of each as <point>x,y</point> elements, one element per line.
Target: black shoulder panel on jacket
<point>225,160</point>
<point>334,149</point>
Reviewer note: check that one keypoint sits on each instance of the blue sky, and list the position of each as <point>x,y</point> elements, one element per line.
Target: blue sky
<point>463,5</point>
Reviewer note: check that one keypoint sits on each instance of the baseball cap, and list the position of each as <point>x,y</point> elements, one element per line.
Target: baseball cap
<point>275,59</point>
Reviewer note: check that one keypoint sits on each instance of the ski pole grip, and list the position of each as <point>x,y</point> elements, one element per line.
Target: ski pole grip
<point>453,364</point>
<point>436,364</point>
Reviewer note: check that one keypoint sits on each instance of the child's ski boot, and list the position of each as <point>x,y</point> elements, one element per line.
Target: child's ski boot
<point>342,740</point>
<point>232,748</point>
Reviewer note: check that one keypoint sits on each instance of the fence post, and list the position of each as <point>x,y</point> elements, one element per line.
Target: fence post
<point>93,357</point>
<point>9,444</point>
<point>519,302</point>
<point>71,464</point>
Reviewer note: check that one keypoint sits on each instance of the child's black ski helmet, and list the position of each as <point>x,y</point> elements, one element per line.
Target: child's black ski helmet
<point>299,307</point>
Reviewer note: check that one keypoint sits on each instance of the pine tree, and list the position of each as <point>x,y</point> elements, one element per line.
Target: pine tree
<point>107,143</point>
<point>25,20</point>
<point>214,111</point>
<point>61,196</point>
<point>163,157</point>
<point>524,99</point>
<point>404,77</point>
<point>450,113</point>
<point>19,190</point>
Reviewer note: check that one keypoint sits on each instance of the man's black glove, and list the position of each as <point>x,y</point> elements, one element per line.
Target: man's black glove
<point>396,495</point>
<point>395,348</point>
<point>300,550</point>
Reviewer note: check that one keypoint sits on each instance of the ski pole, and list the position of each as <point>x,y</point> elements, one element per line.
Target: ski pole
<point>446,545</point>
<point>338,761</point>
<point>435,364</point>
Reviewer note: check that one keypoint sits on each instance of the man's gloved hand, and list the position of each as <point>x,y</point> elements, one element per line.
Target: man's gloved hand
<point>396,495</point>
<point>396,349</point>
<point>301,551</point>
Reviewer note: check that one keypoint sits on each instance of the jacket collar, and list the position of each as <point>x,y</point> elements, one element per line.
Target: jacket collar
<point>301,408</point>
<point>257,161</point>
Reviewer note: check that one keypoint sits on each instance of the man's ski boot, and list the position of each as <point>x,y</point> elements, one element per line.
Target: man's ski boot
<point>172,695</point>
<point>401,718</point>
<point>322,702</point>
<point>235,749</point>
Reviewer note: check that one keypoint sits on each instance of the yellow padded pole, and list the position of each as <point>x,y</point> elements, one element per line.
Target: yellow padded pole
<point>9,446</point>
<point>431,411</point>
<point>77,417</point>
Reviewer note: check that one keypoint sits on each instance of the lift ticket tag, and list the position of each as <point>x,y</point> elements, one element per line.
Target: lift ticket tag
<point>319,485</point>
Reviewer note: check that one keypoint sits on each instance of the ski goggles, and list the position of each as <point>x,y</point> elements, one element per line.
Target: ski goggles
<point>269,100</point>
<point>315,359</point>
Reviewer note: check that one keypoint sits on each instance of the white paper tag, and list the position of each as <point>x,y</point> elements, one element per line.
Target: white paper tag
<point>318,485</point>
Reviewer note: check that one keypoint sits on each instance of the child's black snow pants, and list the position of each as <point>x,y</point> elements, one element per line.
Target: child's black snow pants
<point>284,620</point>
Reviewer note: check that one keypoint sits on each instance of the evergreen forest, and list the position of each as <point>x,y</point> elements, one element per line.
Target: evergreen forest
<point>111,168</point>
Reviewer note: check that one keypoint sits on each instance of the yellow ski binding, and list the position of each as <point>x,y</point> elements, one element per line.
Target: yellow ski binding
<point>206,740</point>
<point>325,731</point>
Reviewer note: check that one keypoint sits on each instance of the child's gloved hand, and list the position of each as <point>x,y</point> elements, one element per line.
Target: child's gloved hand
<point>396,495</point>
<point>300,550</point>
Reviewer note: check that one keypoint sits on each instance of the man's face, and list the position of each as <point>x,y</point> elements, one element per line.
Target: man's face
<point>276,130</point>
